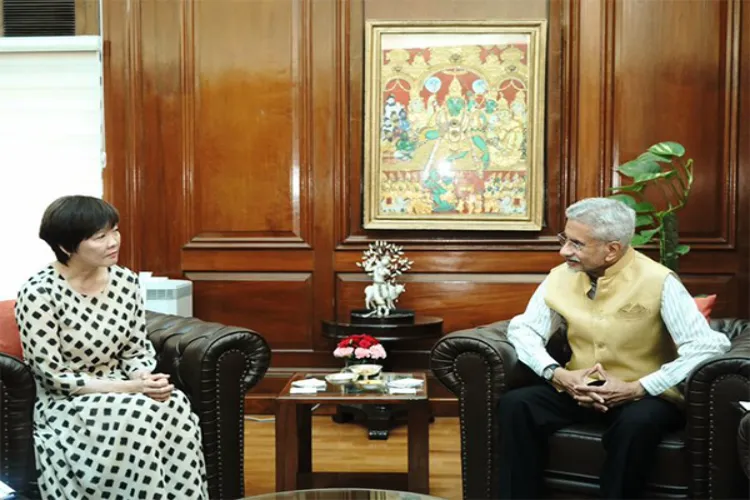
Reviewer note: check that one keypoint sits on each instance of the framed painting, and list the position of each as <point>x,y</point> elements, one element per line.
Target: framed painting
<point>454,125</point>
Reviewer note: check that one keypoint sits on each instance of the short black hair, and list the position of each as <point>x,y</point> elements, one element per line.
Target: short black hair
<point>69,220</point>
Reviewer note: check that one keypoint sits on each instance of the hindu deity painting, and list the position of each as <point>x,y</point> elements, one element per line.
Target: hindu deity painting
<point>455,126</point>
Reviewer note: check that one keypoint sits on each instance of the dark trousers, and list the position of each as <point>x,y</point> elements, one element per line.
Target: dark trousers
<point>528,416</point>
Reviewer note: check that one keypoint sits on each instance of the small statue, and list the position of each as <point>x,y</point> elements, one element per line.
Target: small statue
<point>384,262</point>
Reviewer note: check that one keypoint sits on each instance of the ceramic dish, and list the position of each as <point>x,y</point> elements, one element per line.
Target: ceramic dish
<point>365,370</point>
<point>370,385</point>
<point>404,383</point>
<point>309,382</point>
<point>340,378</point>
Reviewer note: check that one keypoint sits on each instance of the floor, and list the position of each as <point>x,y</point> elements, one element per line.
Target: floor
<point>336,443</point>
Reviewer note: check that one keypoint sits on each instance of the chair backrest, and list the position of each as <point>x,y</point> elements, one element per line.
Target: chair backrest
<point>731,327</point>
<point>10,338</point>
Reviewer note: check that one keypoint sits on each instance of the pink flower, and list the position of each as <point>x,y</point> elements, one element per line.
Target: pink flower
<point>360,353</point>
<point>377,351</point>
<point>343,352</point>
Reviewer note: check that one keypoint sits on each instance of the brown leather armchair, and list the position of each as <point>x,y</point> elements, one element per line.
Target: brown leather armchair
<point>701,461</point>
<point>215,365</point>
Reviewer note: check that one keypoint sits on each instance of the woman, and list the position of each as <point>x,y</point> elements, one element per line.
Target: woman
<point>105,425</point>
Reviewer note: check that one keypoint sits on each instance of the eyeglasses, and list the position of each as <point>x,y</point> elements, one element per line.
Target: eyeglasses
<point>564,240</point>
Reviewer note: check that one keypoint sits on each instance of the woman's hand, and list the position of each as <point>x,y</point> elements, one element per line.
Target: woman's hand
<point>156,386</point>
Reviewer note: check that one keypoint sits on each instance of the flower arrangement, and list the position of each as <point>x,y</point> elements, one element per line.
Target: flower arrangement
<point>360,347</point>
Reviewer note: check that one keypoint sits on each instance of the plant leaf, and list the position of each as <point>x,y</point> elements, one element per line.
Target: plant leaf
<point>646,177</point>
<point>644,236</point>
<point>636,188</point>
<point>649,156</point>
<point>643,220</point>
<point>644,207</point>
<point>624,198</point>
<point>682,249</point>
<point>635,168</point>
<point>668,149</point>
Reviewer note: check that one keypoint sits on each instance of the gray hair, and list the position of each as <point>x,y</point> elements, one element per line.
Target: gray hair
<point>609,220</point>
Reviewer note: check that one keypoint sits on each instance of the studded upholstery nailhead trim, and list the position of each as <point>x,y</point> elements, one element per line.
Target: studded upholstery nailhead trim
<point>488,400</point>
<point>241,433</point>
<point>711,427</point>
<point>6,436</point>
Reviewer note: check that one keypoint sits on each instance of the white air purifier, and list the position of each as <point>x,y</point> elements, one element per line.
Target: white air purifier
<point>169,296</point>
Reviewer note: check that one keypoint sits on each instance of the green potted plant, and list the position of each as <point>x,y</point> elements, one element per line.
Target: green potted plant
<point>661,183</point>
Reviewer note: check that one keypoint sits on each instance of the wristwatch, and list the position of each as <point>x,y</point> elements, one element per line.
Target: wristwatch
<point>549,372</point>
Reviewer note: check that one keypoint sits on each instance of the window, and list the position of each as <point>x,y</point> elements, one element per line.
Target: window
<point>51,141</point>
<point>32,18</point>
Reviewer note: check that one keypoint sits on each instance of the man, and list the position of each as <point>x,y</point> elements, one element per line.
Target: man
<point>631,325</point>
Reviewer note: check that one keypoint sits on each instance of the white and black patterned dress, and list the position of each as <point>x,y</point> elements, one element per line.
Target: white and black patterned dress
<point>105,445</point>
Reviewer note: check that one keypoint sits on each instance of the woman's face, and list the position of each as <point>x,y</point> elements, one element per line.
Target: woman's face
<point>101,250</point>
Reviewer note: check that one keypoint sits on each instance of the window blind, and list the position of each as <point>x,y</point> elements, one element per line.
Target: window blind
<point>50,141</point>
<point>39,17</point>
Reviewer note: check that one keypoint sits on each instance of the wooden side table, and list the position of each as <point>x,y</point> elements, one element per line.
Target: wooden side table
<point>379,418</point>
<point>294,439</point>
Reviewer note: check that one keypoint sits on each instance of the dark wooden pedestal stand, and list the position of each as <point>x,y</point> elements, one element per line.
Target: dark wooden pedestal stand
<point>400,325</point>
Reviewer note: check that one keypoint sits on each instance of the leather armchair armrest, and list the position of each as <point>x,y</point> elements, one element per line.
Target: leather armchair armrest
<point>469,357</point>
<point>478,366</point>
<point>711,393</point>
<point>17,396</point>
<point>215,365</point>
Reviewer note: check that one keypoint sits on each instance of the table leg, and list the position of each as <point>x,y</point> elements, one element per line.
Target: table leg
<point>293,443</point>
<point>419,446</point>
<point>304,439</point>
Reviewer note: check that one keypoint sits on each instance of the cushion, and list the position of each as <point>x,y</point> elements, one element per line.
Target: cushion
<point>10,338</point>
<point>576,455</point>
<point>705,304</point>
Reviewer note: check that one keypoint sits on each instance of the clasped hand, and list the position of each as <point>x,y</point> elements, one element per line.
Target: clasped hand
<point>155,385</point>
<point>612,392</point>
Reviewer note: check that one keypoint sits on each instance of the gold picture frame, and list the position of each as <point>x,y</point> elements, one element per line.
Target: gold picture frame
<point>454,125</point>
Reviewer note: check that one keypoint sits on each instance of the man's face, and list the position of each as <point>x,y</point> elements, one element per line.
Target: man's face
<point>583,252</point>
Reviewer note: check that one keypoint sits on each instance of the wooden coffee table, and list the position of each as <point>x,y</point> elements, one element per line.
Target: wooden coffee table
<point>294,438</point>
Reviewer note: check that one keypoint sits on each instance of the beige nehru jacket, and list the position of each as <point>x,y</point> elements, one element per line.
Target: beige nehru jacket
<point>621,327</point>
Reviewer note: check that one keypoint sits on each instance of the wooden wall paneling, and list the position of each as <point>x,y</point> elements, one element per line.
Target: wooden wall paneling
<point>349,233</point>
<point>706,261</point>
<point>2,26</point>
<point>743,164</point>
<point>279,306</point>
<point>234,135</point>
<point>325,129</point>
<point>166,73</point>
<point>725,286</point>
<point>676,78</point>
<point>462,300</point>
<point>123,121</point>
<point>590,98</point>
<point>252,113</point>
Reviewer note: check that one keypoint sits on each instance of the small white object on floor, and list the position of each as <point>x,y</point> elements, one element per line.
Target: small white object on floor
<point>745,405</point>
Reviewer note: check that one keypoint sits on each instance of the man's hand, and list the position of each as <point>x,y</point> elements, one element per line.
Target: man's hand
<point>156,386</point>
<point>571,381</point>
<point>614,391</point>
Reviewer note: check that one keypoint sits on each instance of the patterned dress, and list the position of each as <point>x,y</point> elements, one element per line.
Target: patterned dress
<point>102,445</point>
